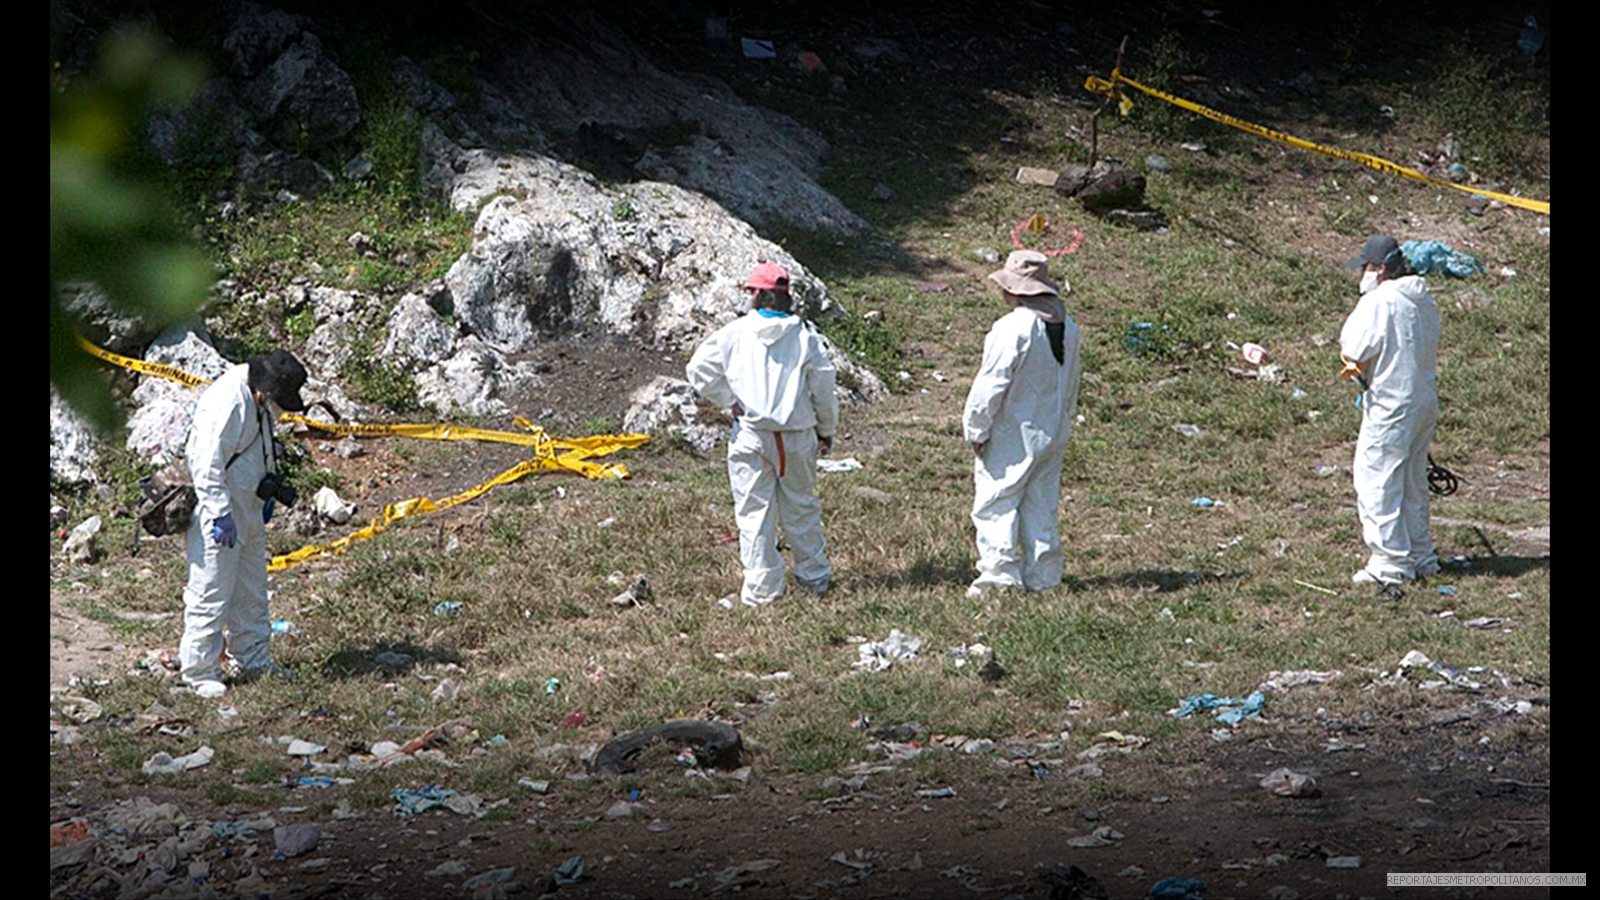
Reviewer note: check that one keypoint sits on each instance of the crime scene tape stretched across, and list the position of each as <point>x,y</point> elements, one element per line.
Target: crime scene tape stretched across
<point>1111,89</point>
<point>550,453</point>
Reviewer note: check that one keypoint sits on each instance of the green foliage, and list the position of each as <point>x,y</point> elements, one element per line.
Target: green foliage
<point>376,382</point>
<point>300,325</point>
<point>110,222</point>
<point>872,342</point>
<point>1167,59</point>
<point>300,472</point>
<point>391,137</point>
<point>1498,132</point>
<point>623,211</point>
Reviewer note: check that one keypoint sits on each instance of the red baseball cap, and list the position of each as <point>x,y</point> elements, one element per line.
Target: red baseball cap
<point>767,276</point>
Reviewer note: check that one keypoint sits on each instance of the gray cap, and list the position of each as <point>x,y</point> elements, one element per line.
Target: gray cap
<point>1379,250</point>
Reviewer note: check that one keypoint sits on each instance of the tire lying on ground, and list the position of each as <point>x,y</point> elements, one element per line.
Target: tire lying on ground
<point>715,744</point>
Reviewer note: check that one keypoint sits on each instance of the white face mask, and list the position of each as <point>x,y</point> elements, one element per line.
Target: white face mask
<point>1369,281</point>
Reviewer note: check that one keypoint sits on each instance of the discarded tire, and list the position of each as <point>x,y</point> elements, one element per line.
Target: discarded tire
<point>715,744</point>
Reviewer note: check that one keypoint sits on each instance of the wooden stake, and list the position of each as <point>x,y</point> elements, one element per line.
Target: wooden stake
<point>1094,121</point>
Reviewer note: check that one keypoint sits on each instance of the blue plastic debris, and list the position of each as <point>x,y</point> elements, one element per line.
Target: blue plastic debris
<point>1448,591</point>
<point>314,781</point>
<point>1427,257</point>
<point>1203,501</point>
<point>448,608</point>
<point>1243,709</point>
<point>498,740</point>
<point>633,795</point>
<point>409,802</point>
<point>284,626</point>
<point>1178,888</point>
<point>569,872</point>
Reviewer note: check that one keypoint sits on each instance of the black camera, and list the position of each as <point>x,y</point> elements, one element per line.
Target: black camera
<point>273,488</point>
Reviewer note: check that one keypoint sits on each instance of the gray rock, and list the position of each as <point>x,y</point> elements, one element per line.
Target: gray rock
<point>80,547</point>
<point>473,380</point>
<point>349,448</point>
<point>1119,189</point>
<point>416,335</point>
<point>357,168</point>
<point>669,403</point>
<point>279,171</point>
<point>257,37</point>
<point>158,428</point>
<point>1142,219</point>
<point>293,840</point>
<point>986,254</point>
<point>304,97</point>
<point>1157,163</point>
<point>882,192</point>
<point>341,316</point>
<point>1075,178</point>
<point>73,445</point>
<point>58,514</point>
<point>102,323</point>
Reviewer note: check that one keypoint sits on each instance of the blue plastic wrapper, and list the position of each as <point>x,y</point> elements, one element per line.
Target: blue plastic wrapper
<point>1249,706</point>
<point>1178,888</point>
<point>569,872</point>
<point>1428,257</point>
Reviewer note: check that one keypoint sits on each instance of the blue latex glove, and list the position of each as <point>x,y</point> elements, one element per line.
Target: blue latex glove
<point>223,531</point>
<point>266,510</point>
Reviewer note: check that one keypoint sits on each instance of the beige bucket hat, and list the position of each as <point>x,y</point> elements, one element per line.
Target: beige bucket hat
<point>1027,274</point>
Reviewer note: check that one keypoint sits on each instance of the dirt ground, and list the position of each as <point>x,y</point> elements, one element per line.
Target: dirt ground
<point>1410,802</point>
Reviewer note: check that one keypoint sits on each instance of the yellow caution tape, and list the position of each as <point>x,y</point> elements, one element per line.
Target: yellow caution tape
<point>1111,88</point>
<point>160,370</point>
<point>570,454</point>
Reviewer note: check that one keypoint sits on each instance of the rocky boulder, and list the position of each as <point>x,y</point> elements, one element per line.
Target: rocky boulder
<point>473,380</point>
<point>342,319</point>
<point>417,335</point>
<point>302,96</point>
<point>103,323</point>
<point>648,260</point>
<point>72,444</point>
<point>159,425</point>
<point>601,100</point>
<point>668,403</point>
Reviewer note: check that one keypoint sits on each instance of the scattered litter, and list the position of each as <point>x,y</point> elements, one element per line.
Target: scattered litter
<point>299,838</point>
<point>877,656</point>
<point>448,869</point>
<point>79,709</point>
<point>1221,735</point>
<point>1157,163</point>
<point>622,809</point>
<point>552,684</point>
<point>1166,615</point>
<point>1325,471</point>
<point>1178,888</point>
<point>165,764</point>
<point>569,872</point>
<point>1344,862</point>
<point>1315,588</point>
<point>637,592</point>
<point>574,720</point>
<point>1286,783</point>
<point>450,608</point>
<point>1507,272</point>
<point>1203,502</point>
<point>1131,872</point>
<point>1415,659</point>
<point>778,676</point>
<point>1283,681</point>
<point>607,523</point>
<point>1044,177</point>
<point>937,793</point>
<point>728,602</point>
<point>961,872</point>
<point>284,626</point>
<point>1484,622</point>
<point>69,832</point>
<point>409,802</point>
<point>940,376</point>
<point>1297,394</point>
<point>447,691</point>
<point>538,787</point>
<point>298,747</point>
<point>1191,431</point>
<point>1113,742</point>
<point>1427,257</point>
<point>1335,745</point>
<point>1194,147</point>
<point>1103,836</point>
<point>1253,354</point>
<point>715,744</point>
<point>1246,708</point>
<point>1448,590</point>
<point>848,464</point>
<point>757,49</point>
<point>330,507</point>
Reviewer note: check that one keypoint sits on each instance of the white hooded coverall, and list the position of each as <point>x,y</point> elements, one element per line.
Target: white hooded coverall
<point>1394,334</point>
<point>1023,404</point>
<point>227,586</point>
<point>777,369</point>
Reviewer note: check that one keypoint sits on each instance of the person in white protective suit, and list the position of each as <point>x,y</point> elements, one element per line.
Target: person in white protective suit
<point>1391,342</point>
<point>770,368</point>
<point>1018,418</point>
<point>231,458</point>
